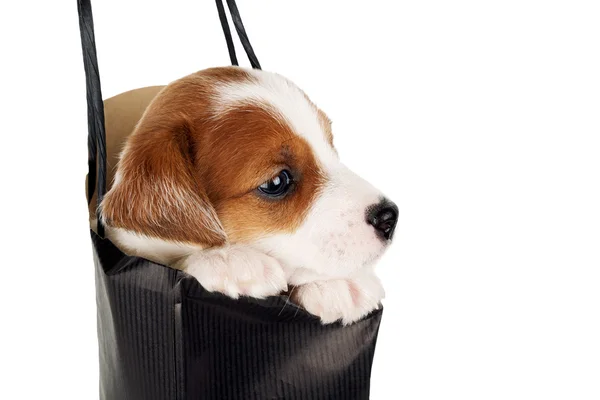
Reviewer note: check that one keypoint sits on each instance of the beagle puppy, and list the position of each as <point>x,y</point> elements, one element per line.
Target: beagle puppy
<point>231,175</point>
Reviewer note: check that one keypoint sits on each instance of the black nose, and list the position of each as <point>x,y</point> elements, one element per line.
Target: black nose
<point>383,217</point>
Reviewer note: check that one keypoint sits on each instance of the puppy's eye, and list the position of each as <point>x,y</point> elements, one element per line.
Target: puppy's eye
<point>277,186</point>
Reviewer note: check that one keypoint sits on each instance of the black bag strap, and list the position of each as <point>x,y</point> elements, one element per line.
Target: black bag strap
<point>241,31</point>
<point>95,108</point>
<point>95,105</point>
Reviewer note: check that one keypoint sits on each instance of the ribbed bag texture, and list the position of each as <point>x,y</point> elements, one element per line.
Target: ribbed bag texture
<point>163,337</point>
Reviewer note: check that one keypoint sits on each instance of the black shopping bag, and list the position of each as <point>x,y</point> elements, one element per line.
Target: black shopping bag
<point>162,336</point>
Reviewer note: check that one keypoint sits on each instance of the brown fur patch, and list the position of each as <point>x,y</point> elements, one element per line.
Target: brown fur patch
<point>187,173</point>
<point>250,146</point>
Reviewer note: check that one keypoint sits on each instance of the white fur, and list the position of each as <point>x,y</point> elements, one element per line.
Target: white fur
<point>236,270</point>
<point>347,300</point>
<point>157,250</point>
<point>329,257</point>
<point>334,241</point>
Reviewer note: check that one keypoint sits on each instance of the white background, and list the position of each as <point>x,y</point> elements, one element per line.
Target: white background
<point>481,119</point>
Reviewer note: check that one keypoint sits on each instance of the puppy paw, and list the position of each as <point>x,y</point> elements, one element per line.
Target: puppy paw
<point>347,300</point>
<point>237,271</point>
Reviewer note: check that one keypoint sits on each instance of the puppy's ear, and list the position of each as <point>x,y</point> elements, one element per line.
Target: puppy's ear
<point>156,191</point>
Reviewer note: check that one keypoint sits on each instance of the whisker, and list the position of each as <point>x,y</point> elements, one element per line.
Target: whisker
<point>287,301</point>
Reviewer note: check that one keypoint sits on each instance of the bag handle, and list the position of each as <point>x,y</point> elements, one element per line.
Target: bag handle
<point>95,105</point>
<point>95,108</point>
<point>241,31</point>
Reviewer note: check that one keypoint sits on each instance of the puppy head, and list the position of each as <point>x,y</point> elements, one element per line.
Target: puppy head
<point>229,155</point>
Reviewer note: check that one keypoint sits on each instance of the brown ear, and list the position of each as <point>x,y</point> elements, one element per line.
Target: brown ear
<point>156,192</point>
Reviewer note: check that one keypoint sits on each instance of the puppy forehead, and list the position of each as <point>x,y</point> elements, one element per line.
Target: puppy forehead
<point>286,100</point>
<point>255,145</point>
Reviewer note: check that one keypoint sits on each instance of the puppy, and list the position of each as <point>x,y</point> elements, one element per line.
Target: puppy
<point>231,175</point>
